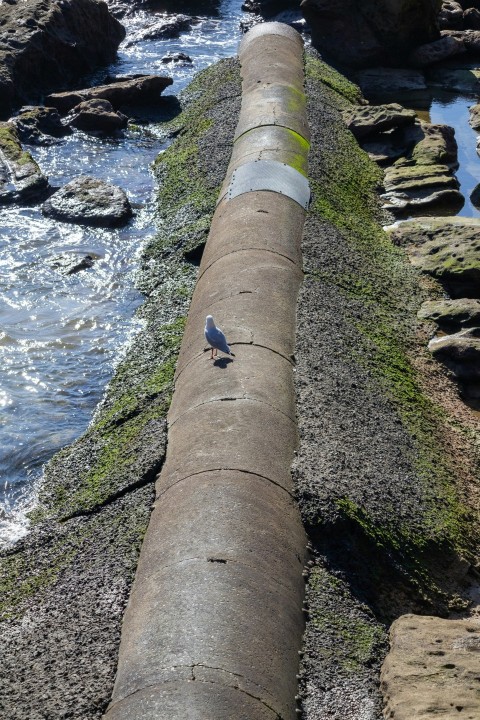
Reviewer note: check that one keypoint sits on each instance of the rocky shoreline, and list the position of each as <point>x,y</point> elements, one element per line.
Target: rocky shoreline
<point>391,517</point>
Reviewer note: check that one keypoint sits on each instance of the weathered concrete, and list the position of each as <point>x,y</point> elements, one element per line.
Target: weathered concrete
<point>214,622</point>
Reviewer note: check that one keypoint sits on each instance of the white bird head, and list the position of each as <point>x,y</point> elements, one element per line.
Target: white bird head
<point>210,322</point>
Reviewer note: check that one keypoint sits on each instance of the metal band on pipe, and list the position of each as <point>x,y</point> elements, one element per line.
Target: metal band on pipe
<point>270,175</point>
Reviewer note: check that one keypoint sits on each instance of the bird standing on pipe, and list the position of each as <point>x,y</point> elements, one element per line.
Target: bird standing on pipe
<point>215,338</point>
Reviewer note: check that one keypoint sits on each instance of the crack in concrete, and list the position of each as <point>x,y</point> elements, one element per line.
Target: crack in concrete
<point>224,469</point>
<point>289,358</point>
<point>232,399</point>
<point>247,249</point>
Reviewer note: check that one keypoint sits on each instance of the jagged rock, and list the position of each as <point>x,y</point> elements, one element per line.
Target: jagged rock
<point>88,201</point>
<point>365,120</point>
<point>21,180</point>
<point>460,353</point>
<point>472,19</point>
<point>367,32</point>
<point>381,81</point>
<point>449,250</point>
<point>432,669</point>
<point>418,186</point>
<point>39,125</point>
<point>459,313</point>
<point>469,38</point>
<point>450,16</point>
<point>441,49</point>
<point>166,28</point>
<point>177,58</point>
<point>98,116</point>
<point>131,91</point>
<point>49,44</point>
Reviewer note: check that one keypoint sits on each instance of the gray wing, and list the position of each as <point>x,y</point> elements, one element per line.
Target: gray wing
<point>216,339</point>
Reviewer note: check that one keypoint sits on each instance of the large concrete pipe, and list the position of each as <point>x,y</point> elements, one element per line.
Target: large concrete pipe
<point>214,623</point>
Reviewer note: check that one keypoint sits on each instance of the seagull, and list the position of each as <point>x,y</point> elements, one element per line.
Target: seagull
<point>215,338</point>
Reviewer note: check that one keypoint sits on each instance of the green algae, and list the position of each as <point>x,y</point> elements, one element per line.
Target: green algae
<point>387,290</point>
<point>345,632</point>
<point>10,145</point>
<point>344,89</point>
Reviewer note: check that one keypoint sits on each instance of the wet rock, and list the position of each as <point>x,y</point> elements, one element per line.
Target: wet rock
<point>179,58</point>
<point>364,33</point>
<point>384,148</point>
<point>370,119</point>
<point>449,250</point>
<point>39,125</point>
<point>475,117</point>
<point>472,19</point>
<point>459,313</point>
<point>381,81</point>
<point>441,49</point>
<point>21,180</point>
<point>50,44</point>
<point>460,352</point>
<point>167,28</point>
<point>463,79</point>
<point>72,265</point>
<point>140,90</point>
<point>439,659</point>
<point>97,116</point>
<point>450,16</point>
<point>88,201</point>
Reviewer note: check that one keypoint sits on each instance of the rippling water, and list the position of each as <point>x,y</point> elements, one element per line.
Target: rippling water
<point>61,335</point>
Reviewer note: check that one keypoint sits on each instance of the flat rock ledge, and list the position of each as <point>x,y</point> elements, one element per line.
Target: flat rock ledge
<point>129,91</point>
<point>88,201</point>
<point>432,669</point>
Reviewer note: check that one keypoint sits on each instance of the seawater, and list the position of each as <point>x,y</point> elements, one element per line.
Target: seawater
<point>61,335</point>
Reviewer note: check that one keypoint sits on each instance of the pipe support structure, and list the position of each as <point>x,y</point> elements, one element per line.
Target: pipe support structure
<point>214,622</point>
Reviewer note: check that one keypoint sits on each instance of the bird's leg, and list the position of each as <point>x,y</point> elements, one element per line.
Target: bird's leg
<point>211,356</point>
<point>216,352</point>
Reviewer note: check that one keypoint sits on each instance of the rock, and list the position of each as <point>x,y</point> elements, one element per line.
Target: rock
<point>437,146</point>
<point>89,201</point>
<point>459,313</point>
<point>98,116</point>
<point>462,79</point>
<point>167,28</point>
<point>469,38</point>
<point>472,19</point>
<point>177,58</point>
<point>450,16</point>
<point>381,81</point>
<point>441,49</point>
<point>140,90</point>
<point>475,196</point>
<point>389,146</point>
<point>69,265</point>
<point>449,250</point>
<point>420,180</point>
<point>475,117</point>
<point>44,45</point>
<point>363,120</point>
<point>359,33</point>
<point>39,125</point>
<point>21,180</point>
<point>438,659</point>
<point>460,353</point>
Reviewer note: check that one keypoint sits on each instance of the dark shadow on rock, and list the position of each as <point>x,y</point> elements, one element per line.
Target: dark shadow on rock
<point>194,256</point>
<point>165,109</point>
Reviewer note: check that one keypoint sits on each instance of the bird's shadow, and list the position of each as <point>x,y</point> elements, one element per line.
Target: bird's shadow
<point>222,362</point>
